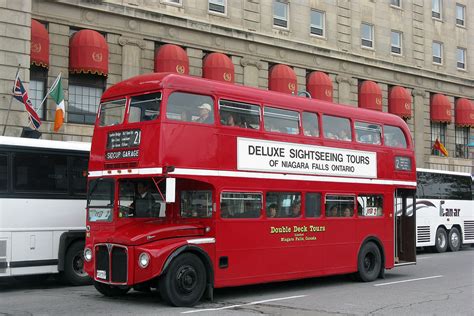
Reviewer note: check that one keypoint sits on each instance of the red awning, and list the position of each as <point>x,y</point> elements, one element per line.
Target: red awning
<point>282,78</point>
<point>464,112</point>
<point>399,102</point>
<point>218,66</point>
<point>171,58</point>
<point>39,50</point>
<point>370,96</point>
<point>440,109</point>
<point>319,85</point>
<point>88,53</point>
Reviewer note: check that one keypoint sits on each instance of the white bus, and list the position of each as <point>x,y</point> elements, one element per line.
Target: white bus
<point>42,207</point>
<point>444,209</point>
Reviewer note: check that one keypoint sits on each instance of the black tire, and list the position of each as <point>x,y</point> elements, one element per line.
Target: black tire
<point>454,239</point>
<point>184,282</point>
<point>74,265</point>
<point>441,240</point>
<point>369,262</point>
<point>110,290</point>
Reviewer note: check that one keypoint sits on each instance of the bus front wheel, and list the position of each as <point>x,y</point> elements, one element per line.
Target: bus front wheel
<point>74,265</point>
<point>454,239</point>
<point>369,262</point>
<point>441,243</point>
<point>185,281</point>
<point>110,290</point>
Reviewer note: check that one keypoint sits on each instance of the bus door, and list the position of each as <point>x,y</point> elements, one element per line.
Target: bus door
<point>404,230</point>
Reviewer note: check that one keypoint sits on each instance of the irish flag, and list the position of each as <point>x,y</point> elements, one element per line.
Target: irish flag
<point>57,93</point>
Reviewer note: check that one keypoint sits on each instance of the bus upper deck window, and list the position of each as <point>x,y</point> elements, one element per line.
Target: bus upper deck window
<point>236,114</point>
<point>189,107</point>
<point>337,128</point>
<point>310,124</point>
<point>144,107</point>
<point>368,133</point>
<point>281,121</point>
<point>112,113</point>
<point>394,137</point>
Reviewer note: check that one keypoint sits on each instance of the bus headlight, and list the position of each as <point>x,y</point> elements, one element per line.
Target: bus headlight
<point>143,260</point>
<point>87,254</point>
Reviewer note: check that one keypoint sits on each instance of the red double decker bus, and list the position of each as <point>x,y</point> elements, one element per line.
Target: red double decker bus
<point>196,184</point>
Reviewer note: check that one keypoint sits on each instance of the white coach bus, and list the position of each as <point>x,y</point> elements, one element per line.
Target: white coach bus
<point>444,209</point>
<point>42,207</point>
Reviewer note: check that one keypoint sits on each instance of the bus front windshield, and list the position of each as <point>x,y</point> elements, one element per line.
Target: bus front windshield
<point>100,200</point>
<point>140,198</point>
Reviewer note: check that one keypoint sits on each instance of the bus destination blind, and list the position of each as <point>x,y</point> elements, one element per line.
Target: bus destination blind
<point>123,140</point>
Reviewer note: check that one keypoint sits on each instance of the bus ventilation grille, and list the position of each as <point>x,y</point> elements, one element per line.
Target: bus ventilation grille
<point>423,233</point>
<point>469,230</point>
<point>3,256</point>
<point>112,265</point>
<point>121,165</point>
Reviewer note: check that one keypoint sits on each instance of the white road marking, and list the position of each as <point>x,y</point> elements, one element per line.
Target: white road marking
<point>251,303</point>
<point>410,280</point>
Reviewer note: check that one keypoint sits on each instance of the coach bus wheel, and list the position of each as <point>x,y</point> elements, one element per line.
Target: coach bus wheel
<point>74,265</point>
<point>184,282</point>
<point>454,239</point>
<point>441,243</point>
<point>110,290</point>
<point>369,262</point>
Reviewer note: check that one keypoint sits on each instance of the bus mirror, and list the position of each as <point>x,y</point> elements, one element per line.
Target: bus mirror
<point>170,190</point>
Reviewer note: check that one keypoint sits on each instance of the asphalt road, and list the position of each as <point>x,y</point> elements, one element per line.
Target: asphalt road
<point>440,284</point>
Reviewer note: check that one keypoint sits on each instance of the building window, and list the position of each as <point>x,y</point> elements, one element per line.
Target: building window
<point>174,2</point>
<point>396,42</point>
<point>461,58</point>
<point>37,90</point>
<point>317,23</point>
<point>217,6</point>
<point>367,35</point>
<point>462,140</point>
<point>437,53</point>
<point>280,13</point>
<point>460,14</point>
<point>438,131</point>
<point>84,98</point>
<point>436,9</point>
<point>396,3</point>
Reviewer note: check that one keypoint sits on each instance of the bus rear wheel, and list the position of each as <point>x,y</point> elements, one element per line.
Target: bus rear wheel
<point>454,239</point>
<point>74,265</point>
<point>185,281</point>
<point>110,290</point>
<point>441,243</point>
<point>369,262</point>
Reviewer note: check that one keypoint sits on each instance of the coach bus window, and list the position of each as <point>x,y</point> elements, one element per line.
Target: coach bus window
<point>140,198</point>
<point>100,201</point>
<point>144,107</point>
<point>3,173</point>
<point>238,114</point>
<point>286,204</point>
<point>368,133</point>
<point>78,175</point>
<point>196,204</point>
<point>40,173</point>
<point>111,113</point>
<point>370,205</point>
<point>337,128</point>
<point>339,206</point>
<point>310,124</point>
<point>188,107</point>
<point>313,205</point>
<point>281,121</point>
<point>444,186</point>
<point>240,205</point>
<point>394,137</point>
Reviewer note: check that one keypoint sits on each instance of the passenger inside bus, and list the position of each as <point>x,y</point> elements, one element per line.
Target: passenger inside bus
<point>205,114</point>
<point>231,121</point>
<point>272,211</point>
<point>333,212</point>
<point>296,209</point>
<point>343,135</point>
<point>347,212</point>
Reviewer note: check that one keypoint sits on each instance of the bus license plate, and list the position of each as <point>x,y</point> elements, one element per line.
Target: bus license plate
<point>101,274</point>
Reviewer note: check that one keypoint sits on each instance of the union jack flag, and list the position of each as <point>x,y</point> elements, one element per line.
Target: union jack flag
<point>21,95</point>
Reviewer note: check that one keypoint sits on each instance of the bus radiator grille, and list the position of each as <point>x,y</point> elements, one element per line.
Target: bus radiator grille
<point>119,264</point>
<point>102,262</point>
<point>423,234</point>
<point>469,230</point>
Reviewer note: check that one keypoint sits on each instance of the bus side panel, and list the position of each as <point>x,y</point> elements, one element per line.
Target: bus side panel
<point>5,253</point>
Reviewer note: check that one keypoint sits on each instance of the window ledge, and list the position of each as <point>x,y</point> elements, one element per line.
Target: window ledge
<point>396,7</point>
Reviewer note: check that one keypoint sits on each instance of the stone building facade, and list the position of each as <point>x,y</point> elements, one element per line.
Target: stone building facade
<point>351,41</point>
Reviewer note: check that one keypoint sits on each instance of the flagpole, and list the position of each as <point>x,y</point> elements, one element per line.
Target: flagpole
<point>11,100</point>
<point>50,89</point>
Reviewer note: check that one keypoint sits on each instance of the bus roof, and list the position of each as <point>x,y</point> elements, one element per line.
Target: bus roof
<point>455,173</point>
<point>155,81</point>
<point>44,143</point>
